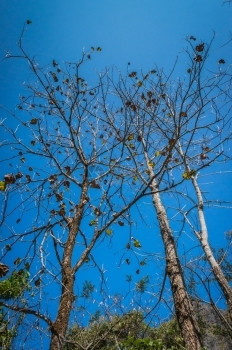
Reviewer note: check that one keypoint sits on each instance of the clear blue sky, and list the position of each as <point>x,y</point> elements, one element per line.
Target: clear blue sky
<point>143,32</point>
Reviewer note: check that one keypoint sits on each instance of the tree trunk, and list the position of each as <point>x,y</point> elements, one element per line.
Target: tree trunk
<point>60,326</point>
<point>203,237</point>
<point>183,306</point>
<point>204,241</point>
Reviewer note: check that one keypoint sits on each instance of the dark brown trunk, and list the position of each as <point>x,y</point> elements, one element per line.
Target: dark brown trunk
<point>60,326</point>
<point>183,306</point>
<point>67,298</point>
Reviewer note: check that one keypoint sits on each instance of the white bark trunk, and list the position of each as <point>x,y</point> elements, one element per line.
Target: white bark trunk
<point>203,237</point>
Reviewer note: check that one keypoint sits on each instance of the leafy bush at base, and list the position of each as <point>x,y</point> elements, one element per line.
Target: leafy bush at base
<point>13,286</point>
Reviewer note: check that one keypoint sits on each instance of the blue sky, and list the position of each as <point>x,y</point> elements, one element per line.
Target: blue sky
<point>143,32</point>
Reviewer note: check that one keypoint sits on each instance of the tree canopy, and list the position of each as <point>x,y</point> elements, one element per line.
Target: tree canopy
<point>87,160</point>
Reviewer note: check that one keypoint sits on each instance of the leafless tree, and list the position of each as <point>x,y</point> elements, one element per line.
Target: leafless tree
<point>65,187</point>
<point>202,236</point>
<point>171,127</point>
<point>90,154</point>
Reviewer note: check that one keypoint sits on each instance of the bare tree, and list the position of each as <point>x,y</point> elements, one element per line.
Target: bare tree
<point>169,125</point>
<point>202,236</point>
<point>89,155</point>
<point>64,190</point>
<point>209,147</point>
<point>146,139</point>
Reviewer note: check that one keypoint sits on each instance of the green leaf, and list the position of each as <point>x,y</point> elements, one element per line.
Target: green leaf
<point>130,137</point>
<point>2,186</point>
<point>139,83</point>
<point>141,285</point>
<point>137,244</point>
<point>109,231</point>
<point>88,289</point>
<point>13,286</point>
<point>131,145</point>
<point>151,164</point>
<point>93,222</point>
<point>187,175</point>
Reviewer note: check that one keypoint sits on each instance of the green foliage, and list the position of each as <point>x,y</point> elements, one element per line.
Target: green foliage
<point>148,344</point>
<point>95,317</point>
<point>141,285</point>
<point>137,244</point>
<point>93,222</point>
<point>2,185</point>
<point>109,231</point>
<point>88,289</point>
<point>187,175</point>
<point>170,334</point>
<point>127,332</point>
<point>13,286</point>
<point>104,332</point>
<point>142,344</point>
<point>6,334</point>
<point>151,164</point>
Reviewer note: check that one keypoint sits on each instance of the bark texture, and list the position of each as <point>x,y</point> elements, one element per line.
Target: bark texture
<point>183,306</point>
<point>60,326</point>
